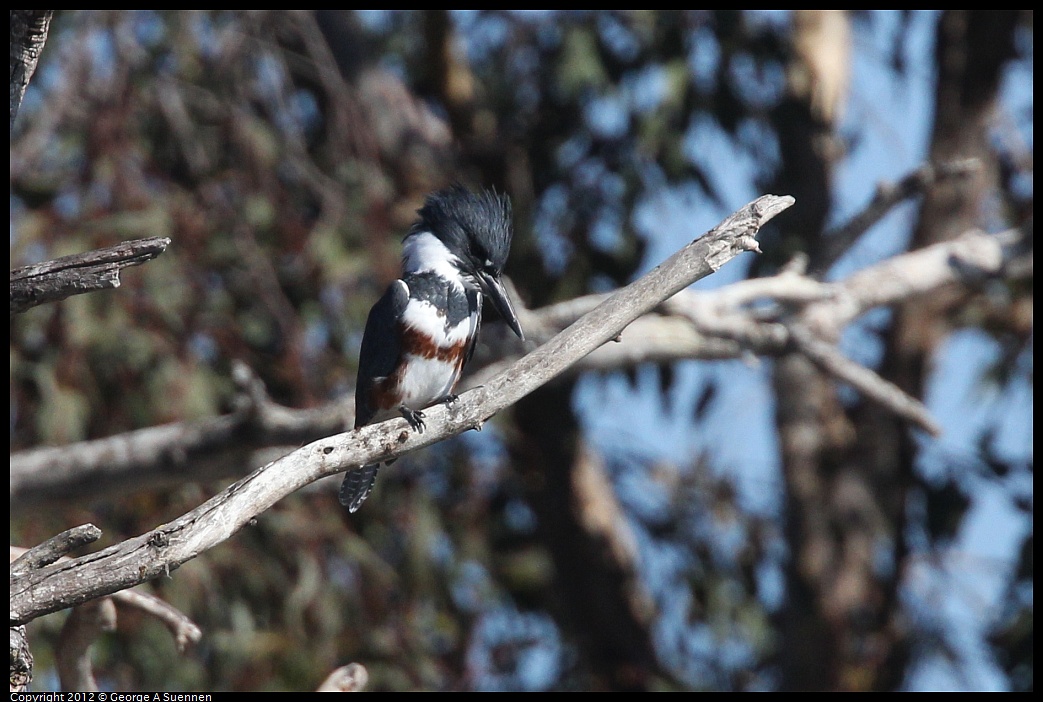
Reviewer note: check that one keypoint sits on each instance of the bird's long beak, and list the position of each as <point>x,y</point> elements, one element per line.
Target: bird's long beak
<point>494,290</point>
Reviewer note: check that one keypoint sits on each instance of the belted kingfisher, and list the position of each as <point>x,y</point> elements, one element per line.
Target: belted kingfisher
<point>423,330</point>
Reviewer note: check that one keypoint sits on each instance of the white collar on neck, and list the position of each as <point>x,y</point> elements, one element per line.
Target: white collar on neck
<point>423,251</point>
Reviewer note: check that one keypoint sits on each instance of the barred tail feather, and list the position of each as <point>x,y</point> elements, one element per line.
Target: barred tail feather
<point>357,485</point>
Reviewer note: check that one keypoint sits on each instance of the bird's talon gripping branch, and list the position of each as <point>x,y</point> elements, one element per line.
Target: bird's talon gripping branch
<point>414,417</point>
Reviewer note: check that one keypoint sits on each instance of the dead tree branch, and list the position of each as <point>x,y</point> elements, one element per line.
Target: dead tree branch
<point>184,630</point>
<point>72,655</point>
<point>21,660</point>
<point>718,324</point>
<point>79,273</point>
<point>54,548</point>
<point>28,35</point>
<point>708,325</point>
<point>348,678</point>
<point>869,384</point>
<point>887,196</point>
<point>90,620</point>
<point>177,452</point>
<point>69,583</point>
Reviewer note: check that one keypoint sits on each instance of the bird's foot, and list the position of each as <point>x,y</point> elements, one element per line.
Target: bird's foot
<point>414,417</point>
<point>451,399</point>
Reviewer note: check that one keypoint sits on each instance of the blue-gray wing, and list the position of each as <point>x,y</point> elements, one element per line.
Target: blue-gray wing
<point>381,348</point>
<point>357,485</point>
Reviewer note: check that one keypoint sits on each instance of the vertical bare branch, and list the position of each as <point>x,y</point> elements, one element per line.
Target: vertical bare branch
<point>73,653</point>
<point>28,34</point>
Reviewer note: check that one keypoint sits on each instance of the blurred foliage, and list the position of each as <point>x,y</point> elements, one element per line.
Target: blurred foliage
<point>285,153</point>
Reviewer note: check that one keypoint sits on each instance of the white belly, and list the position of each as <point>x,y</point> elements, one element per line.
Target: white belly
<point>426,381</point>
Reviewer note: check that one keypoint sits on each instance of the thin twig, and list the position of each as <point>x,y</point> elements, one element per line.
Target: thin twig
<point>184,630</point>
<point>887,196</point>
<point>870,385</point>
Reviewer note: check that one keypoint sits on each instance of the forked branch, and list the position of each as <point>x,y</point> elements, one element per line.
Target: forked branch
<point>69,583</point>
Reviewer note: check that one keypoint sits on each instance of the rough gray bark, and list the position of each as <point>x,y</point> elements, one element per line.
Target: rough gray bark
<point>28,34</point>
<point>79,273</point>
